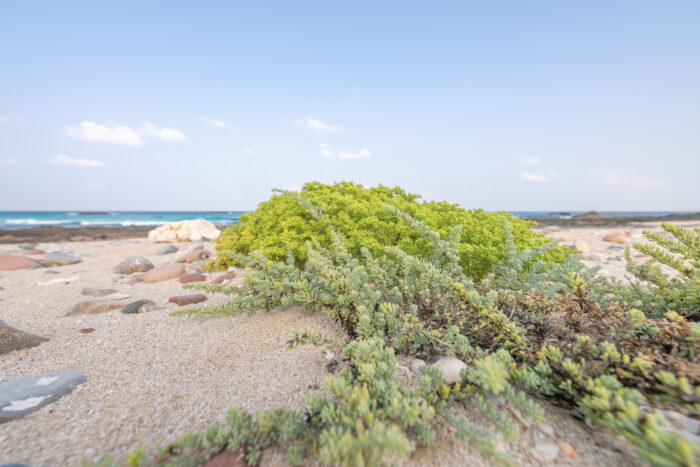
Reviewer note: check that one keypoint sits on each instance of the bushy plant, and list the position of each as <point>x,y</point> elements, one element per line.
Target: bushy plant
<point>289,220</point>
<point>656,292</point>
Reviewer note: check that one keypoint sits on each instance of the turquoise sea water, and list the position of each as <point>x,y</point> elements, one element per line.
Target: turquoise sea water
<point>24,219</point>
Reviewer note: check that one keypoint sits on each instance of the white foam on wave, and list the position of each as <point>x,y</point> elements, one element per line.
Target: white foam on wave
<point>126,223</point>
<point>34,222</point>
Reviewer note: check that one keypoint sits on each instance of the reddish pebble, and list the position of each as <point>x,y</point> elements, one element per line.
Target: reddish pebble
<point>613,239</point>
<point>182,300</point>
<point>192,277</point>
<point>36,252</point>
<point>87,330</point>
<point>13,262</point>
<point>224,277</point>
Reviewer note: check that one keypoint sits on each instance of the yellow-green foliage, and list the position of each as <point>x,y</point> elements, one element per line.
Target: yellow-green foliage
<point>357,215</point>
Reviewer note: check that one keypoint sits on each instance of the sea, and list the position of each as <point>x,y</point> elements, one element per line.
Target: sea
<point>24,219</point>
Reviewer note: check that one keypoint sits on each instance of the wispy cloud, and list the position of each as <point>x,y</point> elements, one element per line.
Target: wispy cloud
<point>532,160</point>
<point>163,134</point>
<point>361,154</point>
<point>7,161</point>
<point>63,159</point>
<point>121,134</point>
<point>538,178</point>
<point>249,151</point>
<point>6,119</point>
<point>313,124</point>
<point>215,122</point>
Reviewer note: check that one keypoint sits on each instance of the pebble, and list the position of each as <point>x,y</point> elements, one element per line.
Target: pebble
<point>14,262</point>
<point>192,277</point>
<point>135,278</point>
<point>135,307</point>
<point>60,280</point>
<point>613,239</point>
<point>228,276</point>
<point>581,246</point>
<point>14,339</point>
<point>95,292</point>
<point>546,448</point>
<point>168,250</point>
<point>26,246</point>
<point>416,363</point>
<point>93,307</point>
<point>183,231</point>
<point>192,254</point>
<point>450,368</point>
<point>133,264</point>
<point>164,273</point>
<point>24,395</point>
<point>36,252</point>
<point>182,300</point>
<point>59,259</point>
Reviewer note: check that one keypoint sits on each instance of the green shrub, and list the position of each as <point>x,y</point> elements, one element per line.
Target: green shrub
<point>656,292</point>
<point>357,215</point>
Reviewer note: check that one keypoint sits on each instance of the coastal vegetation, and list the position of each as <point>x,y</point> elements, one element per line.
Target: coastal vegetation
<point>431,280</point>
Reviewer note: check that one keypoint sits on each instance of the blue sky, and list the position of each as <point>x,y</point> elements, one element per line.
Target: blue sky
<point>521,105</point>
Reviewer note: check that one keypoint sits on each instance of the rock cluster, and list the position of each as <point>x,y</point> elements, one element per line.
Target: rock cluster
<point>184,231</point>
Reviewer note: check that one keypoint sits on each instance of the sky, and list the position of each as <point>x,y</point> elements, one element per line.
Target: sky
<point>514,105</point>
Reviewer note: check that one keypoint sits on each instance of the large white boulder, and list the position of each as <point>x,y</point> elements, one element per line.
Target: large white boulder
<point>184,231</point>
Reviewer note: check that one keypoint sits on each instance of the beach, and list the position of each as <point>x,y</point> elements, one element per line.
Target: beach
<point>150,376</point>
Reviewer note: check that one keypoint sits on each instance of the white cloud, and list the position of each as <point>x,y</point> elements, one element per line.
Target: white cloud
<point>121,134</point>
<point>313,124</point>
<point>63,159</point>
<point>212,121</point>
<point>249,151</point>
<point>91,131</point>
<point>7,161</point>
<point>361,154</point>
<point>532,160</point>
<point>538,178</point>
<point>164,134</point>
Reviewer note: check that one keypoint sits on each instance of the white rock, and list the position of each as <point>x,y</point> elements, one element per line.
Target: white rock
<point>450,368</point>
<point>581,246</point>
<point>416,363</point>
<point>184,231</point>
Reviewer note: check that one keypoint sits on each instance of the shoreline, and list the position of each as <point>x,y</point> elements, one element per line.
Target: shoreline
<point>593,219</point>
<point>52,233</point>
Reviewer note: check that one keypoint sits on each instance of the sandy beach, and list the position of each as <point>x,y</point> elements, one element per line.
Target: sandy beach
<point>150,376</point>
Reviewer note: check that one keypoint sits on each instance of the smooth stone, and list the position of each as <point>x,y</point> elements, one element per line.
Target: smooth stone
<point>93,307</point>
<point>13,339</point>
<point>192,254</point>
<point>199,266</point>
<point>183,231</point>
<point>546,448</point>
<point>95,292</point>
<point>613,239</point>
<point>133,264</point>
<point>581,246</point>
<point>14,262</point>
<point>192,277</point>
<point>135,307</point>
<point>26,246</point>
<point>135,278</point>
<point>36,252</point>
<point>616,248</point>
<point>59,259</point>
<point>164,273</point>
<point>450,368</point>
<point>182,300</point>
<point>225,277</point>
<point>24,395</point>
<point>168,250</point>
<point>60,280</point>
<point>416,363</point>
